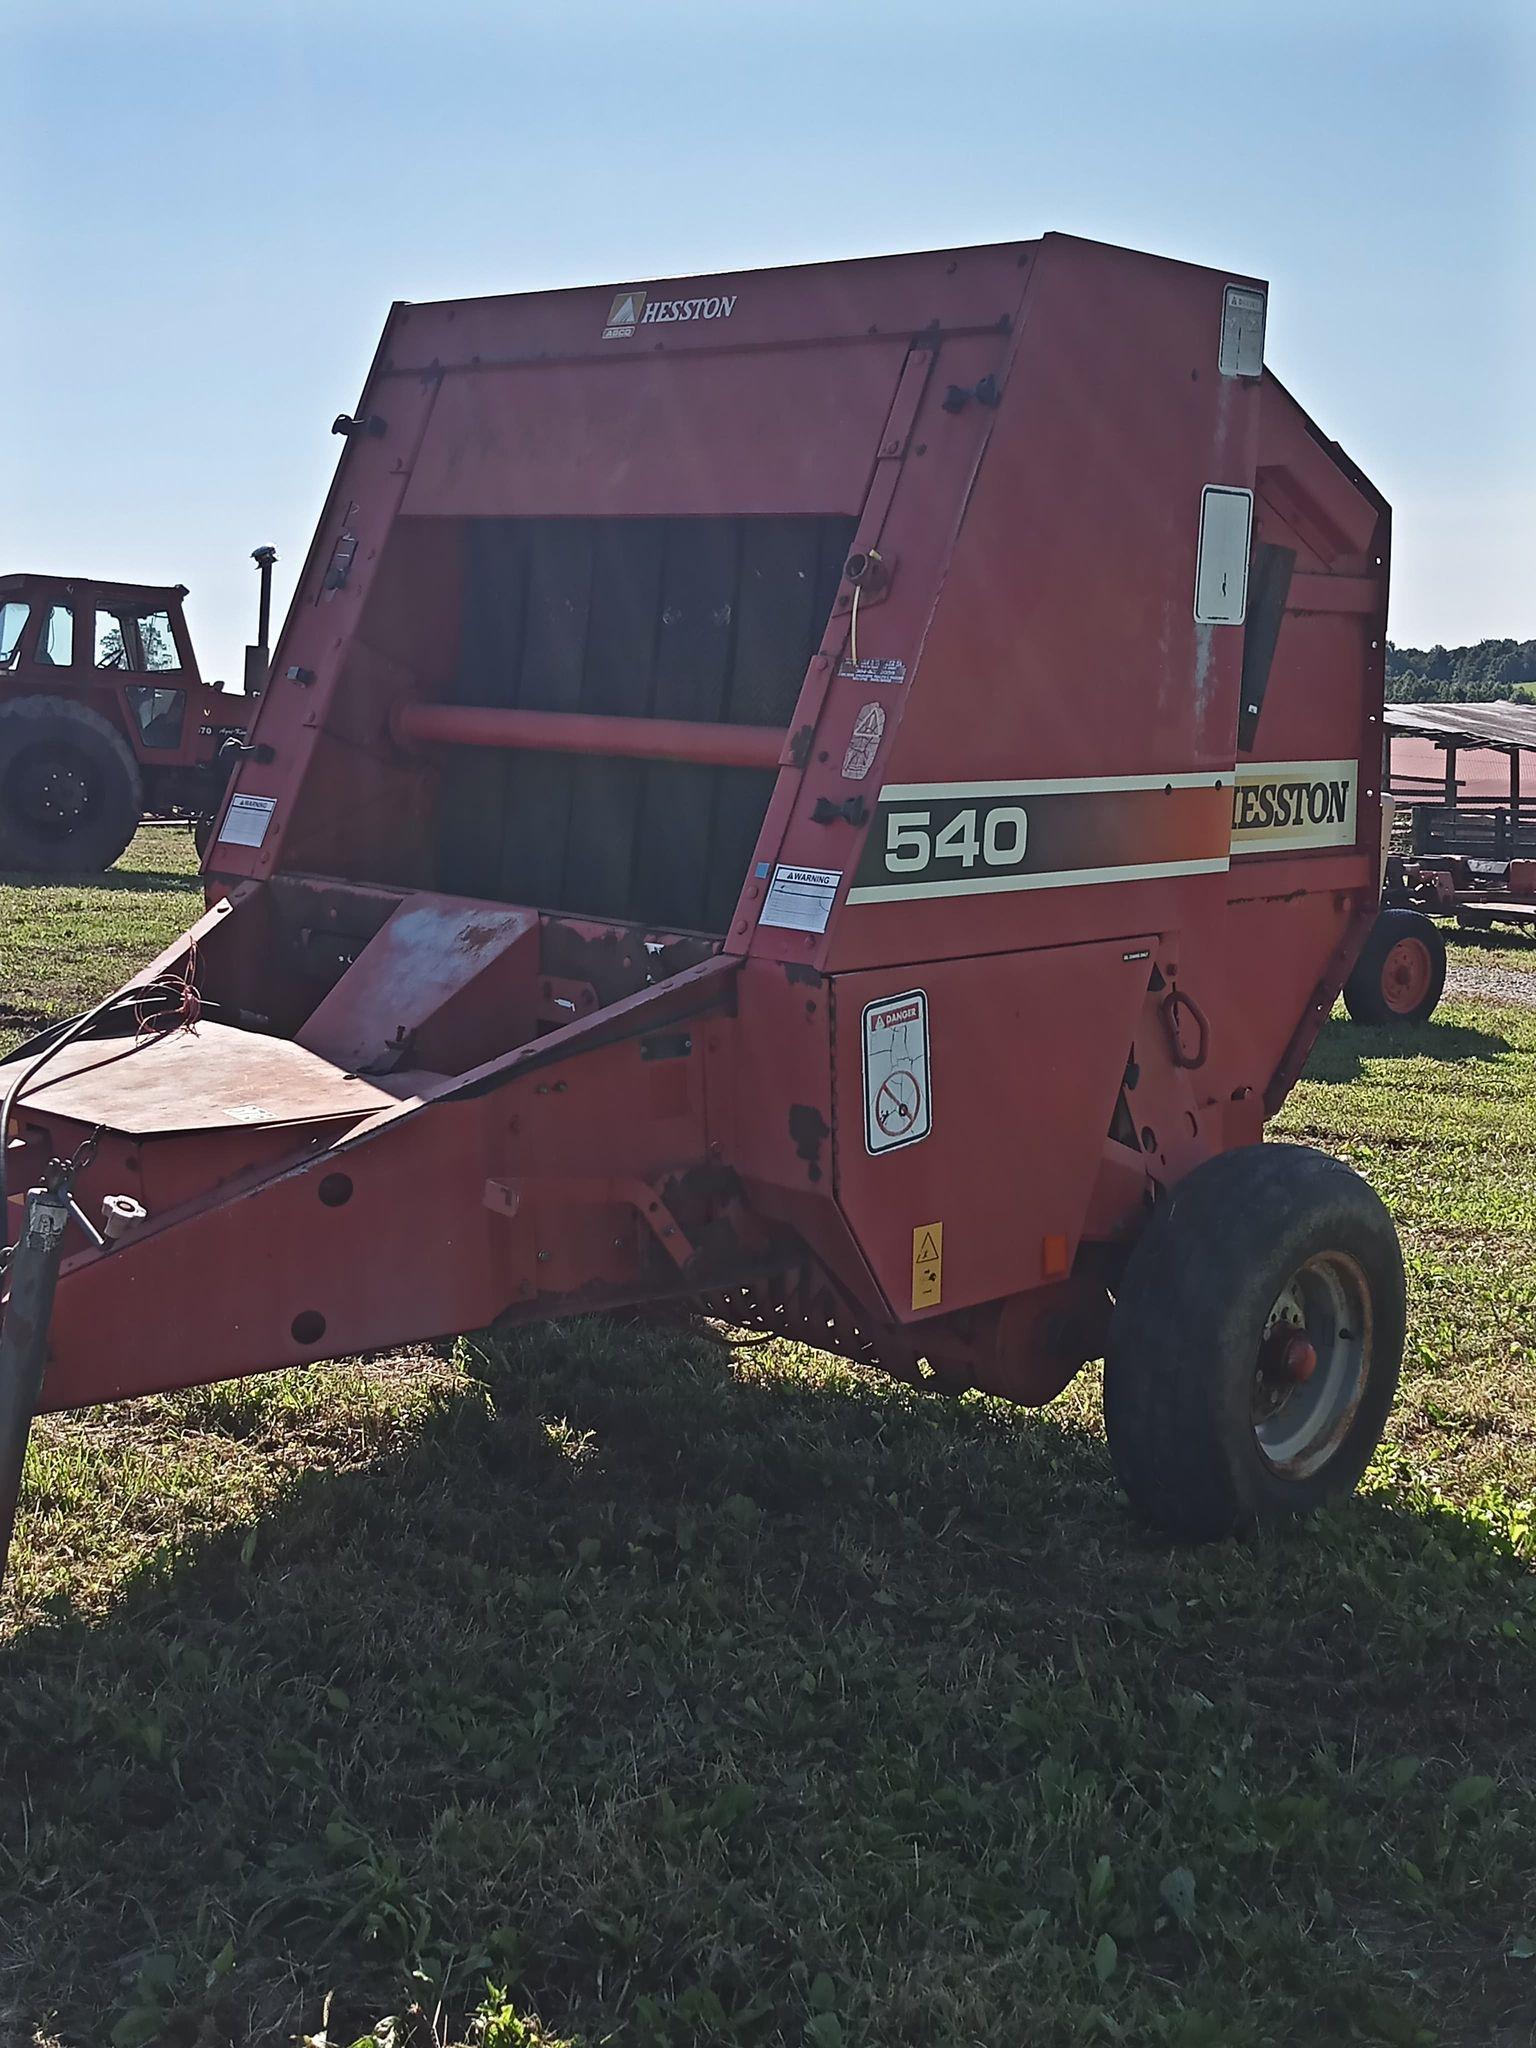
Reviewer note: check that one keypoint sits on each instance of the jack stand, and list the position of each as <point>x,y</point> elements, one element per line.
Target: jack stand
<point>34,1270</point>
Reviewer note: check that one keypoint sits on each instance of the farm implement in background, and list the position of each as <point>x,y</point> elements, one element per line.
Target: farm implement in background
<point>105,719</point>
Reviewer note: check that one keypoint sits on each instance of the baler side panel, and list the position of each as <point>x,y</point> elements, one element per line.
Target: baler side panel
<point>1064,645</point>
<point>359,806</point>
<point>1025,1055</point>
<point>299,704</point>
<point>1327,670</point>
<point>772,1112</point>
<point>1307,817</point>
<point>862,679</point>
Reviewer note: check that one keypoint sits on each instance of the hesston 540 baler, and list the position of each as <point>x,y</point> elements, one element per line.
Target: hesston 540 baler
<point>842,795</point>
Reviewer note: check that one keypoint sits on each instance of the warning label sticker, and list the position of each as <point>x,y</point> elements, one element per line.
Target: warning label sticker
<point>868,730</point>
<point>875,670</point>
<point>247,819</point>
<point>898,1101</point>
<point>800,899</point>
<point>927,1265</point>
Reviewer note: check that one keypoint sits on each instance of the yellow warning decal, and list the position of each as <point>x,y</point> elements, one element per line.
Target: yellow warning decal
<point>927,1265</point>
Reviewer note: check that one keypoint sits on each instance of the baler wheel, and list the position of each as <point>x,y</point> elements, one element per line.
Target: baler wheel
<point>70,795</point>
<point>1400,974</point>
<point>1255,1343</point>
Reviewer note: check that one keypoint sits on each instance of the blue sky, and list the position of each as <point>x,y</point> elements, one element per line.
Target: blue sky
<point>211,206</point>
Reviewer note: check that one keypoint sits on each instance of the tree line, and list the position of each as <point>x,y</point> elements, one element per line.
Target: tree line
<point>1460,675</point>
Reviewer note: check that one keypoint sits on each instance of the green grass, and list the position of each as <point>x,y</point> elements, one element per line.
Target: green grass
<point>63,944</point>
<point>619,1684</point>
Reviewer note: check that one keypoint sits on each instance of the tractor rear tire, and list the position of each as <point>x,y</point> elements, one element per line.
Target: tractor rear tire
<point>1400,974</point>
<point>1255,1343</point>
<point>70,793</point>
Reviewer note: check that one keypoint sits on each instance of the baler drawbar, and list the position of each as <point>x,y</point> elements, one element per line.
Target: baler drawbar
<point>838,795</point>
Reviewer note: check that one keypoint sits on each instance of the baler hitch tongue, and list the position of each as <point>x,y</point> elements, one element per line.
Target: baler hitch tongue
<point>32,1273</point>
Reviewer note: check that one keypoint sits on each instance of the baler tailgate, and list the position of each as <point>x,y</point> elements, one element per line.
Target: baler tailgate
<point>790,432</point>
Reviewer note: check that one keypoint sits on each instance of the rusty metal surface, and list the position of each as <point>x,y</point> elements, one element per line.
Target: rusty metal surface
<point>441,980</point>
<point>202,1080</point>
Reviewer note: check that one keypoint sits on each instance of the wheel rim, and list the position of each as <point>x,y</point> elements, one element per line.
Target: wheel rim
<point>1313,1362</point>
<point>1406,974</point>
<point>52,789</point>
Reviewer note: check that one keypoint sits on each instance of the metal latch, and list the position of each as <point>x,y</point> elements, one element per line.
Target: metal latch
<point>851,811</point>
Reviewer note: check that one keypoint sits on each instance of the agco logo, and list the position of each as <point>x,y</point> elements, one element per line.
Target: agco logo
<point>638,309</point>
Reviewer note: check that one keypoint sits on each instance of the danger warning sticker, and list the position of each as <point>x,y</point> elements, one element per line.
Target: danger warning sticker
<point>927,1265</point>
<point>898,1101</point>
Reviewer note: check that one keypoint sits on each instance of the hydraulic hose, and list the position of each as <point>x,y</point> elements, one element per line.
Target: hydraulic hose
<point>56,1037</point>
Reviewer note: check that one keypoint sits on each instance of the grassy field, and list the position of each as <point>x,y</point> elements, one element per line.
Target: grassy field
<point>621,1686</point>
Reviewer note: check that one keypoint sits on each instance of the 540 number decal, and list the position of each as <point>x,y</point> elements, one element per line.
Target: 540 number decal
<point>958,839</point>
<point>995,837</point>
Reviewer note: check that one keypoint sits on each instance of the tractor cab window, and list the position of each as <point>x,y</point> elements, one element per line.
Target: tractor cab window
<point>56,642</point>
<point>159,714</point>
<point>157,642</point>
<point>13,619</point>
<point>115,640</point>
<point>137,641</point>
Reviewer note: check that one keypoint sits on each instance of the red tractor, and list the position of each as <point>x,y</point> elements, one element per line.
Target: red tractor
<point>104,720</point>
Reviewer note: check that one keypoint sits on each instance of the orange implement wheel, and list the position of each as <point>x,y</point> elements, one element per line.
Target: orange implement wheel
<point>1406,974</point>
<point>1400,973</point>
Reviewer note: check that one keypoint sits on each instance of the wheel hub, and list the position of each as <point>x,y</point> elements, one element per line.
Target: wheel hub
<point>1288,1354</point>
<point>50,787</point>
<point>1406,974</point>
<point>1311,1367</point>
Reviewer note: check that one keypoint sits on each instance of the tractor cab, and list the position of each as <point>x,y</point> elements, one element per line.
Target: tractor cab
<point>104,719</point>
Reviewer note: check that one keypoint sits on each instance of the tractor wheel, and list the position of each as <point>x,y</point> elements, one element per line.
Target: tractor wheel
<point>70,795</point>
<point>1401,972</point>
<point>1254,1347</point>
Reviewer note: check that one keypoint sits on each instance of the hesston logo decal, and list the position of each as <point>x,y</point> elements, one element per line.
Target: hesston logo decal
<point>638,309</point>
<point>1289,806</point>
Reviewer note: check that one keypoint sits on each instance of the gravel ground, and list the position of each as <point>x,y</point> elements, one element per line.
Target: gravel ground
<point>1468,976</point>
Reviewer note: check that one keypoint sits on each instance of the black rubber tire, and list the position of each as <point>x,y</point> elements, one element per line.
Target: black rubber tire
<point>1365,993</point>
<point>1183,1347</point>
<point>104,759</point>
